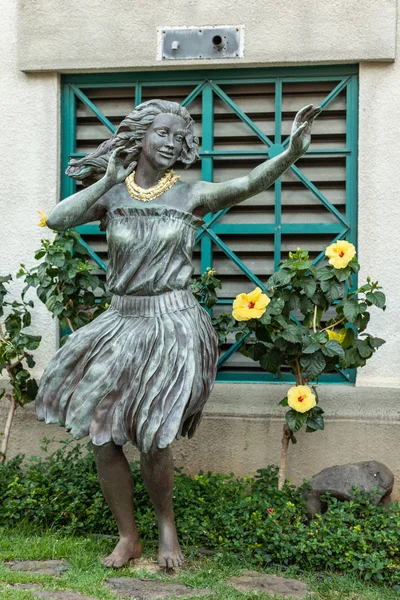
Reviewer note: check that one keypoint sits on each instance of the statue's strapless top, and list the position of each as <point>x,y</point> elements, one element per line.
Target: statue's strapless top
<point>149,249</point>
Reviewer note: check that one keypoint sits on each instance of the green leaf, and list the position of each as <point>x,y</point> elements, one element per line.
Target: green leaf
<point>309,285</point>
<point>315,421</point>
<point>57,259</point>
<point>33,342</point>
<point>58,309</point>
<point>349,338</point>
<point>320,300</point>
<point>353,359</point>
<point>295,420</point>
<point>294,301</point>
<point>272,361</point>
<point>342,274</point>
<point>276,306</point>
<point>29,360</point>
<point>325,273</point>
<point>306,305</point>
<point>312,348</point>
<point>376,342</point>
<point>26,319</point>
<point>262,333</point>
<point>280,278</point>
<point>313,364</point>
<point>332,289</point>
<point>281,344</point>
<point>333,348</point>
<point>364,348</point>
<point>80,249</point>
<point>266,318</point>
<point>377,298</point>
<point>284,402</point>
<point>292,334</point>
<point>281,321</point>
<point>351,310</point>
<point>362,321</point>
<point>354,265</point>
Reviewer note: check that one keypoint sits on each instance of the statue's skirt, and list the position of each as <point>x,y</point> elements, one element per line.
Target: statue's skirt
<point>140,372</point>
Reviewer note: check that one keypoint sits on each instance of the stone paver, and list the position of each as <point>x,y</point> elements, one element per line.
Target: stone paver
<point>39,567</point>
<point>58,595</point>
<point>26,586</point>
<point>151,566</point>
<point>270,584</point>
<point>152,589</point>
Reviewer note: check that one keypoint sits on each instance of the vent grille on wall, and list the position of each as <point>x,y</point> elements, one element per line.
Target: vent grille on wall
<point>242,118</point>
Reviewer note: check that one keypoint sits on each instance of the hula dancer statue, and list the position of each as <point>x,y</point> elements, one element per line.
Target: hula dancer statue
<point>143,370</point>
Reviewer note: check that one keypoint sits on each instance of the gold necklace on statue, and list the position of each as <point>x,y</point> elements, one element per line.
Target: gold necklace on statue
<point>144,195</point>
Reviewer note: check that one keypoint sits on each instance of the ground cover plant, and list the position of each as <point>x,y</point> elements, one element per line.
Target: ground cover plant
<point>236,517</point>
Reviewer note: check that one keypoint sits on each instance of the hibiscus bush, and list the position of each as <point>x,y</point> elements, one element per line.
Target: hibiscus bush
<point>16,358</point>
<point>65,281</point>
<point>310,320</point>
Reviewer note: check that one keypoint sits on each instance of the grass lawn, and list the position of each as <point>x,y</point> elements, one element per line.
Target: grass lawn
<point>86,574</point>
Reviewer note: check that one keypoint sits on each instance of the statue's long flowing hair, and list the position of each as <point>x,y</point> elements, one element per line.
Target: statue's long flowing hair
<point>129,135</point>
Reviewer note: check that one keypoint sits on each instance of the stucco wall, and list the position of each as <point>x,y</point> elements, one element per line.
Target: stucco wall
<point>379,210</point>
<point>121,34</point>
<point>29,173</point>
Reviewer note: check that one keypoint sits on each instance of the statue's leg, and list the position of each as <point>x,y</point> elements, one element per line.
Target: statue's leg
<point>158,476</point>
<point>116,482</point>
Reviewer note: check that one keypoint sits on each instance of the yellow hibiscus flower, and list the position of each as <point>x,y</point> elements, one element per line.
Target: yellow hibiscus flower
<point>337,336</point>
<point>43,219</point>
<point>340,254</point>
<point>250,306</point>
<point>301,398</point>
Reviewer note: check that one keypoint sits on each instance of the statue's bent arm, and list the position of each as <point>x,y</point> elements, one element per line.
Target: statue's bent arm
<point>83,207</point>
<point>217,196</point>
<point>89,204</point>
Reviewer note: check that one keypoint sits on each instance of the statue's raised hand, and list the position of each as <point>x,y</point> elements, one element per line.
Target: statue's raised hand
<point>116,171</point>
<point>300,136</point>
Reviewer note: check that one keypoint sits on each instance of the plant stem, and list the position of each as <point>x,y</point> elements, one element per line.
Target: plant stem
<point>298,375</point>
<point>334,324</point>
<point>70,324</point>
<point>10,416</point>
<point>314,323</point>
<point>284,452</point>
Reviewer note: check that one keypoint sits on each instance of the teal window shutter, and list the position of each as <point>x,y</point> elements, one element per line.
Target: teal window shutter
<point>243,117</point>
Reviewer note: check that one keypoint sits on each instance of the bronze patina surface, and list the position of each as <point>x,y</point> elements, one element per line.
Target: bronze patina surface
<point>143,370</point>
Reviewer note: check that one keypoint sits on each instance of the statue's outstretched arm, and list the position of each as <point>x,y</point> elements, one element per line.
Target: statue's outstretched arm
<point>87,205</point>
<point>217,196</point>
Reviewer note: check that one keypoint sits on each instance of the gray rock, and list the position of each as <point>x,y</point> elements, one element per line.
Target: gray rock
<point>152,589</point>
<point>59,595</point>
<point>270,584</point>
<point>39,567</point>
<point>340,479</point>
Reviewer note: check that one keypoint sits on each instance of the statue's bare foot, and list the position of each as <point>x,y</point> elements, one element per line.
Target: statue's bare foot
<point>125,551</point>
<point>169,551</point>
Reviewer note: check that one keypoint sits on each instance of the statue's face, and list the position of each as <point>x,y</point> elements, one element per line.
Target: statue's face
<point>163,141</point>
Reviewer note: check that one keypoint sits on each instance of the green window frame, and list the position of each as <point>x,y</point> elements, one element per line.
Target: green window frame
<point>209,86</point>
